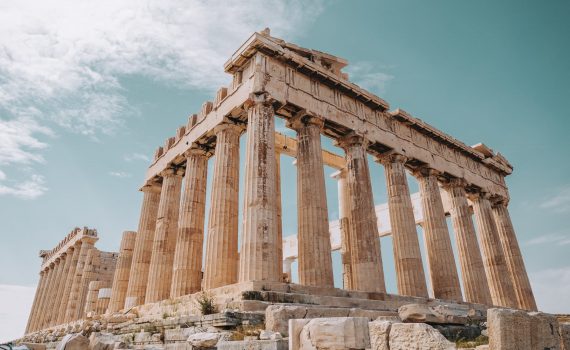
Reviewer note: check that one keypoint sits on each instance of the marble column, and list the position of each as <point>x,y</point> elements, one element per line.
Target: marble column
<point>473,275</point>
<point>513,256</point>
<point>90,273</point>
<point>103,299</point>
<point>222,241</point>
<point>314,245</point>
<point>45,297</point>
<point>92,296</point>
<point>345,234</point>
<point>161,262</point>
<point>34,326</point>
<point>279,257</point>
<point>52,291</point>
<point>138,277</point>
<point>74,307</point>
<point>441,262</point>
<point>73,259</point>
<point>122,272</point>
<point>65,266</point>
<point>500,284</point>
<point>187,274</point>
<point>407,257</point>
<point>259,250</point>
<point>366,258</point>
<point>37,297</point>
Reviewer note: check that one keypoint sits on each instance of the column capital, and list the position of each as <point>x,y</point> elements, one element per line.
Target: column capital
<point>499,201</point>
<point>425,171</point>
<point>454,182</point>
<point>390,158</point>
<point>258,99</point>
<point>305,119</point>
<point>172,171</point>
<point>151,186</point>
<point>477,195</point>
<point>351,139</point>
<point>197,149</point>
<point>229,125</point>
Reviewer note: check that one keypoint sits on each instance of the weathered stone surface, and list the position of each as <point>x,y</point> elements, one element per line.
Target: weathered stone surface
<point>253,345</point>
<point>278,316</point>
<point>379,334</point>
<point>565,336</point>
<point>269,335</point>
<point>73,342</point>
<point>101,341</point>
<point>544,331</point>
<point>335,333</point>
<point>508,329</point>
<point>204,340</point>
<point>420,336</point>
<point>34,346</point>
<point>450,314</point>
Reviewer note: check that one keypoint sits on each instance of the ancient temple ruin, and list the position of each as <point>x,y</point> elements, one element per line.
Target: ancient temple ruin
<point>162,263</point>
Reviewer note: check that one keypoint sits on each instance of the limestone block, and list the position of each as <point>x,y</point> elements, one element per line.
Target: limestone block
<point>372,314</point>
<point>269,335</point>
<point>326,312</point>
<point>335,333</point>
<point>544,331</point>
<point>101,341</point>
<point>449,314</point>
<point>204,340</point>
<point>253,345</point>
<point>34,346</point>
<point>379,334</point>
<point>508,329</point>
<point>295,328</point>
<point>482,347</point>
<point>420,336</point>
<point>73,342</point>
<point>278,316</point>
<point>565,336</point>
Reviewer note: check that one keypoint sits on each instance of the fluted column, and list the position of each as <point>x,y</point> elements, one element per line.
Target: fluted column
<point>92,295</point>
<point>90,272</point>
<point>160,269</point>
<point>33,310</point>
<point>50,276</point>
<point>122,271</point>
<point>259,250</point>
<point>500,284</point>
<point>473,275</point>
<point>441,262</point>
<point>45,285</point>
<point>58,299</point>
<point>73,257</point>
<point>52,292</point>
<point>345,235</point>
<point>103,299</point>
<point>366,258</point>
<point>222,245</point>
<point>314,245</point>
<point>187,274</point>
<point>407,257</point>
<point>279,257</point>
<point>513,257</point>
<point>138,277</point>
<point>74,307</point>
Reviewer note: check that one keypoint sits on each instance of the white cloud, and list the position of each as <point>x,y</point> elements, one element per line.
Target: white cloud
<point>551,288</point>
<point>369,76</point>
<point>136,156</point>
<point>19,141</point>
<point>559,202</point>
<point>552,238</point>
<point>15,305</point>
<point>120,174</point>
<point>28,189</point>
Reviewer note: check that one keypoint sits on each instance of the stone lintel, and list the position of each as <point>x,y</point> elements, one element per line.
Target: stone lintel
<point>77,235</point>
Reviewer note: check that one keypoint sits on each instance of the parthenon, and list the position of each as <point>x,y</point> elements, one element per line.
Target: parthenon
<point>172,255</point>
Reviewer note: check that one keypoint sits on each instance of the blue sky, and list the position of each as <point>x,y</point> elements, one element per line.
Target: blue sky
<point>89,90</point>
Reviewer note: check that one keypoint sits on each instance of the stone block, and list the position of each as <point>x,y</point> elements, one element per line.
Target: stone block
<point>508,329</point>
<point>544,331</point>
<point>101,341</point>
<point>204,340</point>
<point>269,335</point>
<point>295,328</point>
<point>277,317</point>
<point>335,333</point>
<point>379,334</point>
<point>254,345</point>
<point>372,314</point>
<point>565,336</point>
<point>419,336</point>
<point>73,342</point>
<point>34,346</point>
<point>447,314</point>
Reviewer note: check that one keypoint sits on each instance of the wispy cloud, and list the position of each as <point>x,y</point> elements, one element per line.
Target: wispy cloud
<point>551,288</point>
<point>552,238</point>
<point>28,189</point>
<point>559,201</point>
<point>136,156</point>
<point>120,174</point>
<point>61,62</point>
<point>371,76</point>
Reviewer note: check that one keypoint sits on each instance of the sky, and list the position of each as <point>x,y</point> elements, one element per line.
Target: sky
<point>88,90</point>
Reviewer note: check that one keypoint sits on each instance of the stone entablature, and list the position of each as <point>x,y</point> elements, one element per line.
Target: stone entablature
<point>76,235</point>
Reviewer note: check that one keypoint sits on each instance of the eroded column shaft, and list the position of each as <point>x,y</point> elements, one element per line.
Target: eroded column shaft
<point>70,277</point>
<point>222,246</point>
<point>34,326</point>
<point>122,272</point>
<point>314,245</point>
<point>345,234</point>
<point>500,284</point>
<point>74,307</point>
<point>138,277</point>
<point>407,256</point>
<point>52,294</point>
<point>513,257</point>
<point>160,269</point>
<point>366,259</point>
<point>473,275</point>
<point>59,296</point>
<point>441,262</point>
<point>37,297</point>
<point>259,253</point>
<point>279,257</point>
